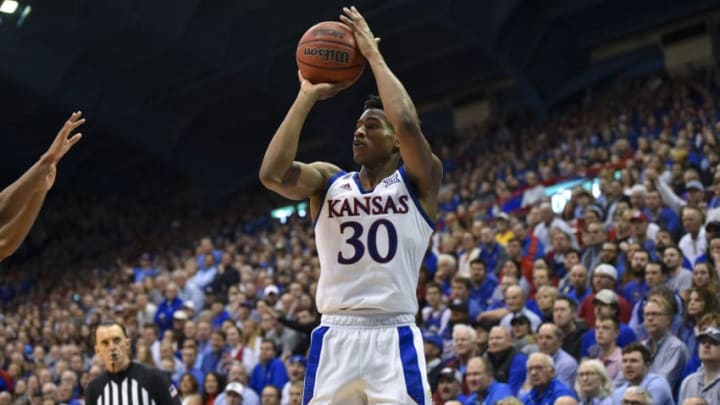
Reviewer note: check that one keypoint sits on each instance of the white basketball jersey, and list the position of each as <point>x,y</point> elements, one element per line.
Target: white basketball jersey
<point>370,245</point>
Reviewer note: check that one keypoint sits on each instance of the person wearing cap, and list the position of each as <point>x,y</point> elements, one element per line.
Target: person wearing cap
<point>433,348</point>
<point>483,389</point>
<point>669,354</point>
<point>693,244</point>
<point>643,232</point>
<point>636,365</point>
<point>237,374</point>
<point>546,387</point>
<point>606,303</point>
<point>523,336</point>
<point>449,385</point>
<point>296,366</point>
<point>234,393</point>
<point>680,279</point>
<point>604,276</point>
<point>503,233</point>
<point>705,383</point>
<point>271,295</point>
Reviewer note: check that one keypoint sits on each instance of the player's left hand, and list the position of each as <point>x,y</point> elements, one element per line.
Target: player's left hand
<point>364,38</point>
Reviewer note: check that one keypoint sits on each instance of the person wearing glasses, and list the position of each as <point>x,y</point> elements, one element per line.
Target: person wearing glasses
<point>668,354</point>
<point>705,383</point>
<point>593,384</point>
<point>546,388</point>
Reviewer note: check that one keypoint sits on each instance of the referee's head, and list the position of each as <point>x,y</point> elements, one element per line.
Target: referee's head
<point>113,345</point>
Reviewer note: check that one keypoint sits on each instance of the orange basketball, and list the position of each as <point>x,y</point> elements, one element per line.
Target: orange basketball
<point>327,54</point>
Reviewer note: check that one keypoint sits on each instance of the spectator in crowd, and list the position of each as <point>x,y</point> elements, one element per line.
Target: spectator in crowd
<point>668,353</point>
<point>218,355</point>
<point>491,252</point>
<point>482,387</point>
<point>564,310</point>
<point>604,277</point>
<point>515,299</point>
<point>550,338</point>
<point>705,383</point>
<point>190,390</point>
<point>167,308</point>
<point>270,370</point>
<point>234,394</point>
<point>464,347</point>
<point>296,366</point>
<point>701,301</point>
<point>577,287</point>
<point>270,395</point>
<point>680,279</point>
<point>469,252</point>
<point>508,363</point>
<point>606,350</point>
<point>636,367</point>
<point>637,395</point>
<point>436,315</point>
<point>213,386</point>
<point>237,374</point>
<point>449,385</point>
<point>546,388</point>
<point>693,244</point>
<point>482,285</point>
<point>594,237</point>
<point>635,288</point>
<point>593,385</point>
<point>606,304</point>
<point>434,347</point>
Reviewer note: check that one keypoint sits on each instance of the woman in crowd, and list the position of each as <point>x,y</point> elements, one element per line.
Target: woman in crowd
<point>189,390</point>
<point>213,385</point>
<point>592,383</point>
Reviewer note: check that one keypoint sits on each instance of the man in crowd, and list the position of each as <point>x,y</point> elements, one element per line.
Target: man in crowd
<point>507,362</point>
<point>546,388</point>
<point>550,338</point>
<point>481,384</point>
<point>636,367</point>
<point>705,383</point>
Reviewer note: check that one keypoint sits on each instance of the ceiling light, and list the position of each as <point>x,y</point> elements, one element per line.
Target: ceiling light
<point>8,6</point>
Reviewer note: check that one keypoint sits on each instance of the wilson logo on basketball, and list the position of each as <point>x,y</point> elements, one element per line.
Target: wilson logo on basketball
<point>331,55</point>
<point>328,33</point>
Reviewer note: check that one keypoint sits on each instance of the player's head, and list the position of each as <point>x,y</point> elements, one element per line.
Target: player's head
<point>374,139</point>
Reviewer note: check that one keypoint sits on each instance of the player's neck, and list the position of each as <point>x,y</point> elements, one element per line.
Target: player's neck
<point>373,173</point>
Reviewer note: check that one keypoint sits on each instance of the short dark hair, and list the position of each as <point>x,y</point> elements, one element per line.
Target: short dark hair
<point>570,301</point>
<point>612,319</point>
<point>373,101</point>
<point>480,261</point>
<point>638,347</point>
<point>106,324</point>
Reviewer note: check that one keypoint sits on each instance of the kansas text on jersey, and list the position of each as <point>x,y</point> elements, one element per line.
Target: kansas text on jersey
<point>370,244</point>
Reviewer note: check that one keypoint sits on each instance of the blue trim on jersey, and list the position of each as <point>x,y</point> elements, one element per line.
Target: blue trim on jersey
<point>356,177</point>
<point>330,182</point>
<point>411,370</point>
<point>413,195</point>
<point>316,341</point>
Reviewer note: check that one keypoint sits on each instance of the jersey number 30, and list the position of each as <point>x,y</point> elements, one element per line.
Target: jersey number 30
<point>371,242</point>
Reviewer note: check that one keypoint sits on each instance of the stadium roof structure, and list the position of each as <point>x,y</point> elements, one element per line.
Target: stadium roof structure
<point>195,89</point>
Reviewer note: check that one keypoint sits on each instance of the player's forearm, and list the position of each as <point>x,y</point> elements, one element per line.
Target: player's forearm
<point>397,104</point>
<point>14,231</point>
<point>283,147</point>
<point>15,196</point>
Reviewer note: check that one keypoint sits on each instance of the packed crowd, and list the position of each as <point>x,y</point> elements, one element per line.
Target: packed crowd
<point>616,295</point>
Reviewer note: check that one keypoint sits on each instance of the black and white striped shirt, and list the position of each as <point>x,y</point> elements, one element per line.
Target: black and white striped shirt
<point>137,385</point>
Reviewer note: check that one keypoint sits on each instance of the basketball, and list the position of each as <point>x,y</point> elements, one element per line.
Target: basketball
<point>327,54</point>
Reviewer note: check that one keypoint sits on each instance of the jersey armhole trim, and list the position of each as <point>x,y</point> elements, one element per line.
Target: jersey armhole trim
<point>413,195</point>
<point>329,184</point>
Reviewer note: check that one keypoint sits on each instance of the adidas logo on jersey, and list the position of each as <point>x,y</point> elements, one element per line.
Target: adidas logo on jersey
<point>346,186</point>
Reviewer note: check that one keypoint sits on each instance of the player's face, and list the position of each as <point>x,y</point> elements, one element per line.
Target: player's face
<point>113,347</point>
<point>374,138</point>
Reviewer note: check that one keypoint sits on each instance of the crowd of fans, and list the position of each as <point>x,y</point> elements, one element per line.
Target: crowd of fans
<point>614,296</point>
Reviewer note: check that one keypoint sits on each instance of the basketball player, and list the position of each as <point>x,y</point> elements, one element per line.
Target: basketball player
<point>20,202</point>
<point>372,228</point>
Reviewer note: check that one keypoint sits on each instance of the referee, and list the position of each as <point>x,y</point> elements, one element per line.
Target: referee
<point>125,382</point>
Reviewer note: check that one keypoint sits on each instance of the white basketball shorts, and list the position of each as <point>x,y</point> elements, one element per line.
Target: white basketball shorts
<point>366,359</point>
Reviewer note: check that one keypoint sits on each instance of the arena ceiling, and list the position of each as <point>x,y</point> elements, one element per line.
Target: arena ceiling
<point>195,88</point>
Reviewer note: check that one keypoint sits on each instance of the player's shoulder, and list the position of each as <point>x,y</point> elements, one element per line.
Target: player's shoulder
<point>327,169</point>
